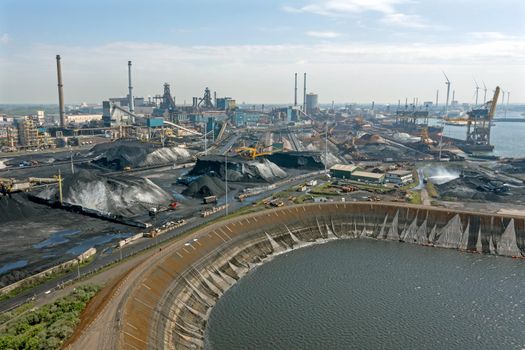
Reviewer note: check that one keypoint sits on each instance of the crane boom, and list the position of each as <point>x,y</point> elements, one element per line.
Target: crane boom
<point>493,103</point>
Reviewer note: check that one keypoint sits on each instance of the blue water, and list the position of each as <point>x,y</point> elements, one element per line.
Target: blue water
<point>56,239</point>
<point>96,241</point>
<point>366,294</point>
<point>507,137</point>
<point>11,266</point>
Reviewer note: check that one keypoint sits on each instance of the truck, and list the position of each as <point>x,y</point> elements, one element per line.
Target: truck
<point>209,199</point>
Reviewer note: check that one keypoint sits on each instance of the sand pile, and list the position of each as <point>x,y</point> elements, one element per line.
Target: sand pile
<point>239,169</point>
<point>205,186</point>
<point>120,154</point>
<point>126,196</point>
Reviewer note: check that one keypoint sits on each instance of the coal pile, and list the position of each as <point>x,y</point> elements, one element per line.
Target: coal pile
<point>239,169</point>
<point>205,186</point>
<point>298,160</point>
<point>134,154</point>
<point>512,166</point>
<point>474,186</point>
<point>385,152</point>
<point>124,196</point>
<point>18,208</point>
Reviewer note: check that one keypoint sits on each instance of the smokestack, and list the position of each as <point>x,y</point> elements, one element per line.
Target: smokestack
<point>131,104</point>
<point>304,94</point>
<point>215,99</point>
<point>60,94</point>
<point>437,97</point>
<point>295,91</point>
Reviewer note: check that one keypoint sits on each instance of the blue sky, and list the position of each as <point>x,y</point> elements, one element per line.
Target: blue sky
<point>353,50</point>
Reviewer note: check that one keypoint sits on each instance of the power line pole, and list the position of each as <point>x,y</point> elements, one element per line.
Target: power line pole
<point>226,178</point>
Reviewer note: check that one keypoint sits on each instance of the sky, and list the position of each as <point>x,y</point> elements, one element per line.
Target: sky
<point>352,50</point>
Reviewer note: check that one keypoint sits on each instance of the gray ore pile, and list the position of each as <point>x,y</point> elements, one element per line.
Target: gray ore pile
<point>239,169</point>
<point>298,160</point>
<point>120,154</point>
<point>126,196</point>
<point>477,186</point>
<point>205,186</point>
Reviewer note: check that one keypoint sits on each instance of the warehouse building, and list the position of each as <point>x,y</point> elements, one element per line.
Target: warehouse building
<point>399,177</point>
<point>368,177</point>
<point>343,171</point>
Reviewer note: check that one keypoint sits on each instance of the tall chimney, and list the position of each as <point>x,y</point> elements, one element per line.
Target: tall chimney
<point>304,94</point>
<point>60,94</point>
<point>295,91</point>
<point>131,102</point>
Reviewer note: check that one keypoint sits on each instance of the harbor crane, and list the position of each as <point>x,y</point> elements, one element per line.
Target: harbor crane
<point>479,124</point>
<point>477,91</point>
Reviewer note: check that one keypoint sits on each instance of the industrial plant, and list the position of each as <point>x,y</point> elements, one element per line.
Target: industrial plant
<point>99,184</point>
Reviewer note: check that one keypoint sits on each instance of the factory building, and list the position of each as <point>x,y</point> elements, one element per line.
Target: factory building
<point>343,171</point>
<point>244,118</point>
<point>312,103</point>
<point>225,104</point>
<point>368,177</point>
<point>399,177</point>
<point>80,119</point>
<point>29,136</point>
<point>114,115</point>
<point>355,173</point>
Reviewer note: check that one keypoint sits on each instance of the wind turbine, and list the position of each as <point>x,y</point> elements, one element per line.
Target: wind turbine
<point>448,93</point>
<point>507,105</point>
<point>477,90</point>
<point>485,90</point>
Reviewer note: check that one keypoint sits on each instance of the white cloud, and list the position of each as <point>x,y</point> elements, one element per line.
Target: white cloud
<point>4,39</point>
<point>403,20</point>
<point>490,35</point>
<point>340,8</point>
<point>324,35</point>
<point>344,7</point>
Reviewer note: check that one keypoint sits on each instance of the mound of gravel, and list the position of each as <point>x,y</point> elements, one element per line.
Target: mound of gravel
<point>126,196</point>
<point>120,154</point>
<point>205,186</point>
<point>18,208</point>
<point>239,170</point>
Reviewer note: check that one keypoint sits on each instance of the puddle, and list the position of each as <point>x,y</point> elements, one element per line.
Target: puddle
<point>56,239</point>
<point>11,266</point>
<point>96,241</point>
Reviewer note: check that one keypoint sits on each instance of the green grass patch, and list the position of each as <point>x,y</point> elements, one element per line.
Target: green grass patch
<point>414,197</point>
<point>432,190</point>
<point>42,279</point>
<point>48,326</point>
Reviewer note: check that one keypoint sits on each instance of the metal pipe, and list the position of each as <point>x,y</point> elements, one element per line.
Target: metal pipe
<point>131,102</point>
<point>304,94</point>
<point>60,94</point>
<point>295,91</point>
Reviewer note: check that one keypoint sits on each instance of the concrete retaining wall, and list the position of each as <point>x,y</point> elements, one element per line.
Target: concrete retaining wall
<point>169,306</point>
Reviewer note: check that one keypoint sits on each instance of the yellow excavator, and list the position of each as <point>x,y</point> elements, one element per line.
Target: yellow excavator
<point>250,153</point>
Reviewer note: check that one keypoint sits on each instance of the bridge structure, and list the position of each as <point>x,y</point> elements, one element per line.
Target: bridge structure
<point>165,301</point>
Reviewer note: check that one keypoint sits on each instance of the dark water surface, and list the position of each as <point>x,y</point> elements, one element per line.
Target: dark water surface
<point>366,294</point>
